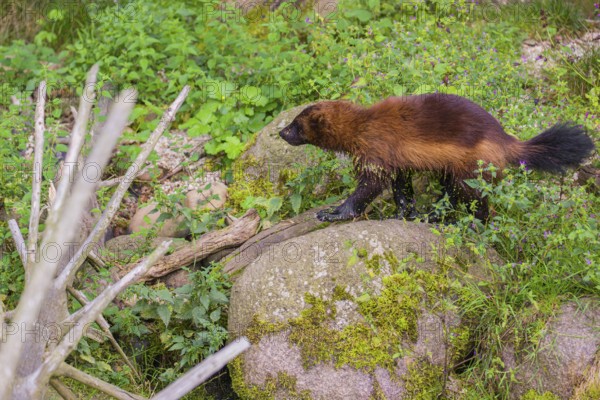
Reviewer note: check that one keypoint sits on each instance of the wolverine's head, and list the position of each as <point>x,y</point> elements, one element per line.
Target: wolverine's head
<point>307,128</point>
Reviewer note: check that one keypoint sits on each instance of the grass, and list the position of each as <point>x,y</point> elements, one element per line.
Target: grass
<point>583,73</point>
<point>58,19</point>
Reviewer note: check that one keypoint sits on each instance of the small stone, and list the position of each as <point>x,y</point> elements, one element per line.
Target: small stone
<point>212,198</point>
<point>170,226</point>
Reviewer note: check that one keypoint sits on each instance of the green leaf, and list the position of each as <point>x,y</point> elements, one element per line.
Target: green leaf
<point>215,315</point>
<point>56,15</point>
<point>164,294</point>
<point>274,205</point>
<point>440,68</point>
<point>352,260</point>
<point>296,200</point>
<point>133,76</point>
<point>104,366</point>
<point>234,147</point>
<point>164,312</point>
<point>399,90</point>
<point>177,346</point>
<point>363,298</point>
<point>205,301</point>
<point>198,313</point>
<point>361,15</point>
<point>88,358</point>
<point>218,297</point>
<point>163,217</point>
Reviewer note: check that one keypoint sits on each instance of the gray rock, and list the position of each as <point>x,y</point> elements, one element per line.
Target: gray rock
<point>171,226</point>
<point>564,354</point>
<point>270,297</point>
<point>211,199</point>
<point>268,154</point>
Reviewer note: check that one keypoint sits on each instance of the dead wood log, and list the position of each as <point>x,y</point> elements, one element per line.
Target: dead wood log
<point>259,244</point>
<point>235,234</point>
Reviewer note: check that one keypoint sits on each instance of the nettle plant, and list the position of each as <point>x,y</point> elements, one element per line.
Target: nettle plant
<point>548,237</point>
<point>190,320</point>
<point>546,230</point>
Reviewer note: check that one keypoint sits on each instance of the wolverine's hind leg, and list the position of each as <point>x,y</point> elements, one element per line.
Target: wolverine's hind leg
<point>402,190</point>
<point>472,198</point>
<point>449,188</point>
<point>369,186</point>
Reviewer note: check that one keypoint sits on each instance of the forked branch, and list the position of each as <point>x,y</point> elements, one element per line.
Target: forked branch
<point>90,312</point>
<point>113,205</point>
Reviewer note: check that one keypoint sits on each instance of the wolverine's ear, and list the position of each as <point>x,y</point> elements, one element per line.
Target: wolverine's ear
<point>318,121</point>
<point>306,114</point>
<point>315,121</point>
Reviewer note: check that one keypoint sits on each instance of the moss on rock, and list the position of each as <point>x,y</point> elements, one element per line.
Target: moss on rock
<point>533,395</point>
<point>367,311</point>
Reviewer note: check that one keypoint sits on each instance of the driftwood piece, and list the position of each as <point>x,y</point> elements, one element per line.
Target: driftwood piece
<point>259,244</point>
<point>235,234</point>
<point>19,241</point>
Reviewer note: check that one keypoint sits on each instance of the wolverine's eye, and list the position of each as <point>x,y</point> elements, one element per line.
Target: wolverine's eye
<point>314,124</point>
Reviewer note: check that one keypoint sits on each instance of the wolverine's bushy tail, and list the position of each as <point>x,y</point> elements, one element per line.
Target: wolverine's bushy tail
<point>561,146</point>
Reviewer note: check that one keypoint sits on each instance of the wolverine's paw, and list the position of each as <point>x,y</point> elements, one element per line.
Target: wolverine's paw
<point>408,214</point>
<point>332,216</point>
<point>437,218</point>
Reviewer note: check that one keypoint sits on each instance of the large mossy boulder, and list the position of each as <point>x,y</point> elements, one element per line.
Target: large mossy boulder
<point>353,311</point>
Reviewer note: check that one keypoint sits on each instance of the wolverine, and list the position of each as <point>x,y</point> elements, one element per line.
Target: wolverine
<point>443,133</point>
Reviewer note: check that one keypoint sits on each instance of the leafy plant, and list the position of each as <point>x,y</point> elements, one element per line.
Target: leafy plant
<point>189,320</point>
<point>548,238</point>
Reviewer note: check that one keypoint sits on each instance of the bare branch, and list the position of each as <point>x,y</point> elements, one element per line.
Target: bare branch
<point>101,321</point>
<point>96,260</point>
<point>113,205</point>
<point>36,190</point>
<point>61,230</point>
<point>76,141</point>
<point>70,372</point>
<point>62,389</point>
<point>91,311</point>
<point>1,319</point>
<point>119,179</point>
<point>203,371</point>
<point>19,241</point>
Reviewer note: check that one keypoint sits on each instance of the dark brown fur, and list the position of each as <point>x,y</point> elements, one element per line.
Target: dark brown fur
<point>434,132</point>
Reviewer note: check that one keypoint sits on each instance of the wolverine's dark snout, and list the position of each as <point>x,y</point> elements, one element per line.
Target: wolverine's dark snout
<point>292,135</point>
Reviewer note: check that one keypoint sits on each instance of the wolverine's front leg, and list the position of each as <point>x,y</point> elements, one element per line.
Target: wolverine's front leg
<point>368,188</point>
